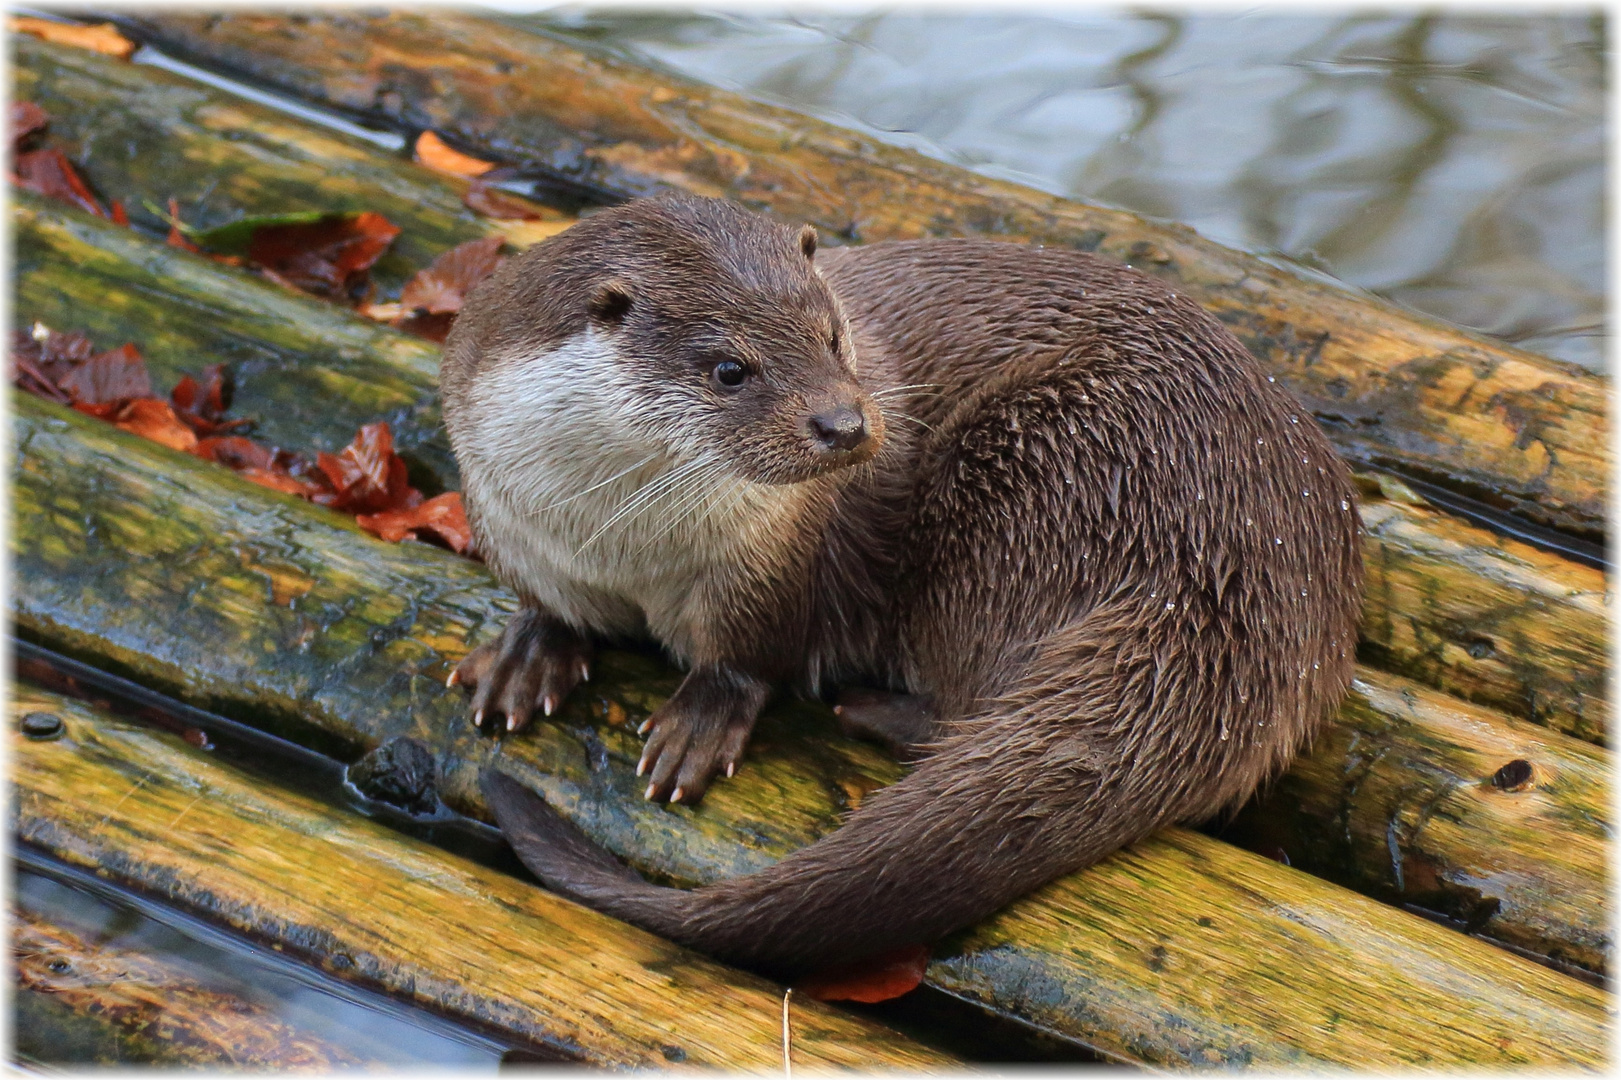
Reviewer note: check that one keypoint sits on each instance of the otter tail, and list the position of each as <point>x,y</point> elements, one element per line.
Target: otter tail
<point>1069,765</point>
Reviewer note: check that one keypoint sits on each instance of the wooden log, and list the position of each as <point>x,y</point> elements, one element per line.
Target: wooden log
<point>149,811</point>
<point>80,1002</point>
<point>1482,616</point>
<point>1453,605</point>
<point>308,372</point>
<point>1417,798</point>
<point>285,615</point>
<point>143,136</point>
<point>1394,389</point>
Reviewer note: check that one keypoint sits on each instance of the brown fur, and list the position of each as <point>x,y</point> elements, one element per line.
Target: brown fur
<point>1118,565</point>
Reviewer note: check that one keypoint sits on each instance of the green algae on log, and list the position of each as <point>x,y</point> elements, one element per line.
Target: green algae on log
<point>309,373</point>
<point>144,136</point>
<point>1394,389</point>
<point>1416,797</point>
<point>1452,605</point>
<point>266,609</point>
<point>1489,619</point>
<point>345,892</point>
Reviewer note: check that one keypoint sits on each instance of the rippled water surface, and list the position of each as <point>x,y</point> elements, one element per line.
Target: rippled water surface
<point>1452,163</point>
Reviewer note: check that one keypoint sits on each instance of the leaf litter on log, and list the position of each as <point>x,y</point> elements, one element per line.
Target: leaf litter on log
<point>430,300</point>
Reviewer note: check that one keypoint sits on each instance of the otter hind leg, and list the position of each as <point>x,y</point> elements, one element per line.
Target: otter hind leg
<point>533,664</point>
<point>904,723</point>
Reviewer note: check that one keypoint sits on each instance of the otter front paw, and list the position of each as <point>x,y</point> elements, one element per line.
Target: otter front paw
<point>533,665</point>
<point>702,728</point>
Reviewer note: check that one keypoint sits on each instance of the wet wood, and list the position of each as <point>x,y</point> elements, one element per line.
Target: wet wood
<point>1452,605</point>
<point>273,611</point>
<point>149,811</point>
<point>87,1003</point>
<point>1418,798</point>
<point>143,136</point>
<point>1393,388</point>
<point>1481,616</point>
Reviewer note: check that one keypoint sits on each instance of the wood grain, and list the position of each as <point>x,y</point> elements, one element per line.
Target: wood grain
<point>149,811</point>
<point>268,610</point>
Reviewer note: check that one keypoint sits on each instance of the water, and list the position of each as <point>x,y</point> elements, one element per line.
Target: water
<point>1453,163</point>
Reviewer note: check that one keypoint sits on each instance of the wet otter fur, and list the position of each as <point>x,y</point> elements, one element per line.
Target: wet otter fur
<point>1107,573</point>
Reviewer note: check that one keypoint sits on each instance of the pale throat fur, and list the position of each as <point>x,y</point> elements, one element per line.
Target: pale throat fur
<point>594,494</point>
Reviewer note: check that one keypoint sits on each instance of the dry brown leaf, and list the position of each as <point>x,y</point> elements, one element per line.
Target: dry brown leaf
<point>432,152</point>
<point>483,199</point>
<point>49,172</point>
<point>153,419</point>
<point>441,517</point>
<point>102,38</point>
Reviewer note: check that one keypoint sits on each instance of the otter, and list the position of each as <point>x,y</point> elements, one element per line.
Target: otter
<point>1063,543</point>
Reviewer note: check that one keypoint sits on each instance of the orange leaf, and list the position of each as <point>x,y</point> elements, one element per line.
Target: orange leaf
<point>367,477</point>
<point>441,516</point>
<point>277,480</point>
<point>432,152</point>
<point>120,215</point>
<point>443,287</point>
<point>102,38</point>
<point>27,120</point>
<point>876,978</point>
<point>327,256</point>
<point>153,419</point>
<point>483,199</point>
<point>50,173</point>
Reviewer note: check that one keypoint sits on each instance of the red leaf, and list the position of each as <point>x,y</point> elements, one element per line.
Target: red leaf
<point>236,452</point>
<point>367,477</point>
<point>153,419</point>
<point>441,516</point>
<point>50,173</point>
<point>277,480</point>
<point>120,217</point>
<point>483,199</point>
<point>203,406</point>
<point>327,256</point>
<point>27,120</point>
<point>443,287</point>
<point>116,375</point>
<point>433,327</point>
<point>876,978</point>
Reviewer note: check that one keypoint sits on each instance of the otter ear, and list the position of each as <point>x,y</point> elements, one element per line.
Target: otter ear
<point>611,302</point>
<point>807,241</point>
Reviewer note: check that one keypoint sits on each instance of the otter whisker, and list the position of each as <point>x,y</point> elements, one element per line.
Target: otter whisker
<point>599,484</point>
<point>643,497</point>
<point>909,386</point>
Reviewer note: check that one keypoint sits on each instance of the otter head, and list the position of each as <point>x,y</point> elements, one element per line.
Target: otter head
<point>724,342</point>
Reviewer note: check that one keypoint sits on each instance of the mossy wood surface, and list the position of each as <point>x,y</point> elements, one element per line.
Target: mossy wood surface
<point>1448,603</point>
<point>364,902</point>
<point>143,136</point>
<point>309,373</point>
<point>1393,388</point>
<point>81,1001</point>
<point>1399,800</point>
<point>1484,617</point>
<point>153,564</point>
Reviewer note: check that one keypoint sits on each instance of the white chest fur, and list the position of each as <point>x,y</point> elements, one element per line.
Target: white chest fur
<point>595,494</point>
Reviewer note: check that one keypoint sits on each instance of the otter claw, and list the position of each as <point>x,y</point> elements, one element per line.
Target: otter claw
<point>647,725</point>
<point>454,678</point>
<point>651,790</point>
<point>675,796</point>
<point>512,723</point>
<point>478,719</point>
<point>731,769</point>
<point>585,671</point>
<point>548,705</point>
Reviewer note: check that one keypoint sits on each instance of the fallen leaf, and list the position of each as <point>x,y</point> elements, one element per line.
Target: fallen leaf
<point>441,517</point>
<point>432,152</point>
<point>108,379</point>
<point>202,405</point>
<point>523,234</point>
<point>328,256</point>
<point>483,199</point>
<point>102,38</point>
<point>367,477</point>
<point>49,172</point>
<point>277,480</point>
<point>876,978</point>
<point>153,419</point>
<point>27,120</point>
<point>237,452</point>
<point>234,237</point>
<point>119,215</point>
<point>442,288</point>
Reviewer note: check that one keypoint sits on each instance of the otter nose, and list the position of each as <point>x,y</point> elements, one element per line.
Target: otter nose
<point>842,429</point>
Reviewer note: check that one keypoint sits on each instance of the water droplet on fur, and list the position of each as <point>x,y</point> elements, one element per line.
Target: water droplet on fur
<point>1345,504</point>
<point>1199,495</point>
<point>1248,522</point>
<point>1271,378</point>
<point>1278,540</point>
<point>1294,419</point>
<point>1170,605</point>
<point>1260,442</point>
<point>1305,493</point>
<point>1315,666</point>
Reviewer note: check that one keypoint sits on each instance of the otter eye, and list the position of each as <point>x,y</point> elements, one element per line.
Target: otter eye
<point>729,373</point>
<point>833,341</point>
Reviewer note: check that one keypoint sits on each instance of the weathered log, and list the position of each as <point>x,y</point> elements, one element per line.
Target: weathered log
<point>1417,798</point>
<point>1453,605</point>
<point>307,372</point>
<point>287,616</point>
<point>149,811</point>
<point>84,1003</point>
<point>1393,388</point>
<point>1484,617</point>
<point>143,136</point>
